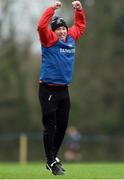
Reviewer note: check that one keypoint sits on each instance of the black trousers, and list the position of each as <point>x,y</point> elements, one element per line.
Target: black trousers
<point>55,106</point>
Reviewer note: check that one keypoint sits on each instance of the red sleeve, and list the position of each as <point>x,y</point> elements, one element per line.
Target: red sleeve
<point>46,35</point>
<point>79,24</point>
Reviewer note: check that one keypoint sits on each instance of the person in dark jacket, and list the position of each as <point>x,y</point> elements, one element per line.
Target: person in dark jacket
<point>58,57</point>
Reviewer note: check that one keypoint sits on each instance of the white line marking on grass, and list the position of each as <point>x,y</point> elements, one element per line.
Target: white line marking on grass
<point>64,179</point>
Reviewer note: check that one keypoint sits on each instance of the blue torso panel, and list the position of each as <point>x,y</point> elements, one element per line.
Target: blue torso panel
<point>57,62</point>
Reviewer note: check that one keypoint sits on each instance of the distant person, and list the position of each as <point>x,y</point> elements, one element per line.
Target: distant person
<point>58,56</point>
<point>73,145</point>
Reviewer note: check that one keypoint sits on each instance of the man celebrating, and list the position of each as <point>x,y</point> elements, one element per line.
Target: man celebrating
<point>58,56</point>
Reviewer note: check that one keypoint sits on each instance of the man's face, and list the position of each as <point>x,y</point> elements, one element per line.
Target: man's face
<point>61,33</point>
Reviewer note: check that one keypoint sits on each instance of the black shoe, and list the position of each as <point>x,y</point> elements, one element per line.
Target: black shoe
<point>59,163</point>
<point>55,168</point>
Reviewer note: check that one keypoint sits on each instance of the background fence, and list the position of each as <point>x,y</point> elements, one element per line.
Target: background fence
<point>87,147</point>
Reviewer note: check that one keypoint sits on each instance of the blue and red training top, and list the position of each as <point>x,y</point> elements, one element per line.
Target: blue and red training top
<point>58,56</point>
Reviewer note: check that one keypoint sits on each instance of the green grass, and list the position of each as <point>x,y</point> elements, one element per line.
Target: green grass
<point>73,171</point>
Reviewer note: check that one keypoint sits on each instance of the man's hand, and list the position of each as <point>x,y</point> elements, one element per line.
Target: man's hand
<point>77,5</point>
<point>57,5</point>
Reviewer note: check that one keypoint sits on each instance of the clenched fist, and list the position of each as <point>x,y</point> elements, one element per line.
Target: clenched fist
<point>57,5</point>
<point>77,5</point>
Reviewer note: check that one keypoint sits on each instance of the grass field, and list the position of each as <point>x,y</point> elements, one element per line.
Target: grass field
<point>73,171</point>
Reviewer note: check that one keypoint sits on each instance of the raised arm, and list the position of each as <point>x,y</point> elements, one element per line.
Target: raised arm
<point>79,21</point>
<point>46,35</point>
